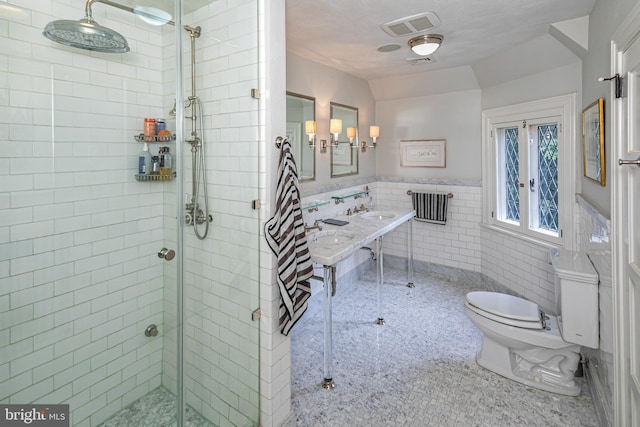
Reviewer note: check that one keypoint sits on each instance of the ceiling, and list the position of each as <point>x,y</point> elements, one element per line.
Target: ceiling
<point>344,34</point>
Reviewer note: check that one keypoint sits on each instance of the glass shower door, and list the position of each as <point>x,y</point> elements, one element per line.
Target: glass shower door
<point>220,277</point>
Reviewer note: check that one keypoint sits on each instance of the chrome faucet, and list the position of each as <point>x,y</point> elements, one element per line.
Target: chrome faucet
<point>316,225</point>
<point>362,208</point>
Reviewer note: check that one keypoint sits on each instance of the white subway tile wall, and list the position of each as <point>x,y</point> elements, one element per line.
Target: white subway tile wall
<point>456,244</point>
<point>79,276</point>
<point>80,280</point>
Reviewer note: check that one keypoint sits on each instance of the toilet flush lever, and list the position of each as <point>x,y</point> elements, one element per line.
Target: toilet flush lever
<point>543,320</point>
<point>167,254</point>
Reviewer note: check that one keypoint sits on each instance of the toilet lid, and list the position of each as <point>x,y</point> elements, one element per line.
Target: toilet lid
<point>506,306</point>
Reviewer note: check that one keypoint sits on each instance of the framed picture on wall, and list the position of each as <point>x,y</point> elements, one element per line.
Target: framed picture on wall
<point>423,153</point>
<point>593,141</point>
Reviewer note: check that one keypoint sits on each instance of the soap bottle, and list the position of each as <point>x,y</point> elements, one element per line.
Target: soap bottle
<point>144,160</point>
<point>166,162</point>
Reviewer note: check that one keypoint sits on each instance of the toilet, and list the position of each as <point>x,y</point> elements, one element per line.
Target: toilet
<point>521,342</point>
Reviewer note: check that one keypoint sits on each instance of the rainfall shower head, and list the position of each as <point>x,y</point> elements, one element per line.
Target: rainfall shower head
<point>86,34</point>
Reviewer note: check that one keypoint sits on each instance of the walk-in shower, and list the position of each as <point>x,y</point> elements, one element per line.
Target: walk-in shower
<point>80,276</point>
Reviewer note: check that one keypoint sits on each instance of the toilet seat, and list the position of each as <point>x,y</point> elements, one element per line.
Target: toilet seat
<point>507,309</point>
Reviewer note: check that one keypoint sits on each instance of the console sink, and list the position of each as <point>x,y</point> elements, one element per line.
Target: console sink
<point>377,215</point>
<point>329,237</point>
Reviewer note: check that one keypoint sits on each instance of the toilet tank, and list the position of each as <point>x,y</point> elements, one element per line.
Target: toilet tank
<point>576,285</point>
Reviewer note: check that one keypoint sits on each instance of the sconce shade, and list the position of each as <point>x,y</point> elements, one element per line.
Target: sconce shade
<point>374,131</point>
<point>310,127</point>
<point>351,133</point>
<point>335,126</point>
<point>426,44</point>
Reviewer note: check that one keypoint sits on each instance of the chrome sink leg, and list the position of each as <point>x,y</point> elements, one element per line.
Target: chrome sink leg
<point>410,254</point>
<point>380,279</point>
<point>329,277</point>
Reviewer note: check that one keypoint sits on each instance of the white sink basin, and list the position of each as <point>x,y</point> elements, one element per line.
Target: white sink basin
<point>330,237</point>
<point>377,215</point>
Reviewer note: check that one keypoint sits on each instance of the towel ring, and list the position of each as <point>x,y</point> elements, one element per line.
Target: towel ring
<point>449,195</point>
<point>278,142</point>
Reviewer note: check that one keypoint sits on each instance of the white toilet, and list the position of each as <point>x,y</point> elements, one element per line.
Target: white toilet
<point>524,344</point>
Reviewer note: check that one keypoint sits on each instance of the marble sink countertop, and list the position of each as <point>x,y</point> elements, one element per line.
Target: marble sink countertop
<point>358,233</point>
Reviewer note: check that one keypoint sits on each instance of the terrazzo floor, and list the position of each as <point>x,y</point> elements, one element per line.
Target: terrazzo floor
<point>417,370</point>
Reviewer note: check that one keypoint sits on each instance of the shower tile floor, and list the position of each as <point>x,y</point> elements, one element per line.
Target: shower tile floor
<point>155,409</point>
<point>418,369</point>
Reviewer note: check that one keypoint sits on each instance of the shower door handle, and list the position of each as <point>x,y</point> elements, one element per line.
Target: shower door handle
<point>167,254</point>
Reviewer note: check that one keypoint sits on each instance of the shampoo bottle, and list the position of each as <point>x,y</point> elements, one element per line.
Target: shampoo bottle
<point>166,162</point>
<point>144,160</point>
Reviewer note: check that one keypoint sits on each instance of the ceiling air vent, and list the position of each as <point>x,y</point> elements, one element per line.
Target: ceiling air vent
<point>420,60</point>
<point>414,24</point>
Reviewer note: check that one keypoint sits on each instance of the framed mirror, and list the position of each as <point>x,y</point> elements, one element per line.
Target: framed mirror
<point>344,156</point>
<point>593,141</point>
<point>301,109</point>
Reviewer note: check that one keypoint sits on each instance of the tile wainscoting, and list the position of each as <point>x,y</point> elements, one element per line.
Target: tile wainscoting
<point>593,237</point>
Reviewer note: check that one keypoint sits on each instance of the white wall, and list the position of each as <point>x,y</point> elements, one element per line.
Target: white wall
<point>603,22</point>
<point>453,116</point>
<point>328,85</point>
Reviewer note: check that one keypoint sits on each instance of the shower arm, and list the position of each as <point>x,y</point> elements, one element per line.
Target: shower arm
<point>89,14</point>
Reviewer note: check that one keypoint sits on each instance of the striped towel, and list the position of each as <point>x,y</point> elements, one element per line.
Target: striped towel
<point>286,238</point>
<point>431,207</point>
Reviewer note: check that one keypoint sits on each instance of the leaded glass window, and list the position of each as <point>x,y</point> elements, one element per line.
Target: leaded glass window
<point>548,177</point>
<point>511,174</point>
<point>528,169</point>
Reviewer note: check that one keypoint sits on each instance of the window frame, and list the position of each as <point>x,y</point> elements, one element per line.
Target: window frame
<point>560,109</point>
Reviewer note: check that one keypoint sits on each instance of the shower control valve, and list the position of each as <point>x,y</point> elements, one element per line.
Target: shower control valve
<point>166,254</point>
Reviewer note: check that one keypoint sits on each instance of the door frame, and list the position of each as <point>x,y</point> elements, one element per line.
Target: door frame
<point>624,36</point>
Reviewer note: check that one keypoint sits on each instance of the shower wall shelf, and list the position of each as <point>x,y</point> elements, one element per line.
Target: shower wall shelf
<point>314,205</point>
<point>142,138</point>
<point>356,195</point>
<point>145,177</point>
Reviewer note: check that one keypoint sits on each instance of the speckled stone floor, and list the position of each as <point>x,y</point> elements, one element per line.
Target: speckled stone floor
<point>417,370</point>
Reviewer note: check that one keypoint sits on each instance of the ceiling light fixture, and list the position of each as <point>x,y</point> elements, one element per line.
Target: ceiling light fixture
<point>426,44</point>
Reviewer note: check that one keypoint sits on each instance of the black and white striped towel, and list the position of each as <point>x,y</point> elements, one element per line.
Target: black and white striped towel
<point>286,238</point>
<point>431,207</point>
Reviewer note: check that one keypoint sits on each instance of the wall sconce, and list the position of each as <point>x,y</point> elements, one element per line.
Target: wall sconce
<point>310,129</point>
<point>336,129</point>
<point>374,133</point>
<point>351,133</point>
